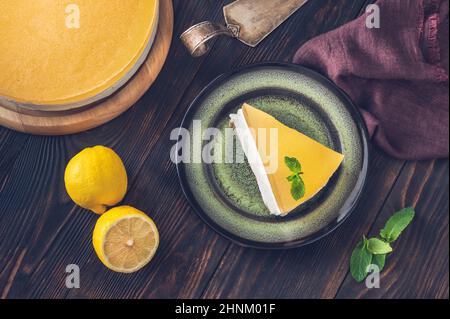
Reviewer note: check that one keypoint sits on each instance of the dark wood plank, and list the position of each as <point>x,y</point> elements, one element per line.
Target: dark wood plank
<point>11,143</point>
<point>41,230</point>
<point>34,187</point>
<point>418,268</point>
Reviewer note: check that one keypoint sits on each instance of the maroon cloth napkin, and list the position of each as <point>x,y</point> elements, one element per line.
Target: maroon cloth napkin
<point>395,74</point>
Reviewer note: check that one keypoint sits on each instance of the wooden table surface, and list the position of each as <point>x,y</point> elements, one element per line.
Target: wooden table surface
<point>42,231</point>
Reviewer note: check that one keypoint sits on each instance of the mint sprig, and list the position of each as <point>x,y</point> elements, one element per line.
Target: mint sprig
<point>379,260</point>
<point>374,250</point>
<point>297,184</point>
<point>378,247</point>
<point>360,260</point>
<point>397,224</point>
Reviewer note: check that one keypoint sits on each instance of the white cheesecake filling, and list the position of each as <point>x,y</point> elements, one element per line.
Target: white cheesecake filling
<point>250,148</point>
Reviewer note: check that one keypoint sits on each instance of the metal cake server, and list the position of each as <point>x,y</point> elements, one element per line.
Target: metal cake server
<point>250,21</point>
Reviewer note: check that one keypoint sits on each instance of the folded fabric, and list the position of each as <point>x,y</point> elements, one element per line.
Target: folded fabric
<point>395,74</point>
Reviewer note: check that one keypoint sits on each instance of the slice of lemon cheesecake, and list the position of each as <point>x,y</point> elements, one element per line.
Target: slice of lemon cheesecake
<point>290,167</point>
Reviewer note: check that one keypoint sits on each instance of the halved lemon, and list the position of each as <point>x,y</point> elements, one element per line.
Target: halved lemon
<point>125,239</point>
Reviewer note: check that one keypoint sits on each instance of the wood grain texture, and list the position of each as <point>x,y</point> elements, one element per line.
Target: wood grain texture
<point>42,231</point>
<point>418,268</point>
<point>81,119</point>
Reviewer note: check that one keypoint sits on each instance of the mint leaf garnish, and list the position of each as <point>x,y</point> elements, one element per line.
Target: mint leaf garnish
<point>291,178</point>
<point>293,164</point>
<point>297,184</point>
<point>359,262</point>
<point>379,260</point>
<point>297,188</point>
<point>378,247</point>
<point>397,224</point>
<point>374,250</point>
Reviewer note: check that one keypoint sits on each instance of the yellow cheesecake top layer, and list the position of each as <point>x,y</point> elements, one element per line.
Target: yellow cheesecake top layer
<point>319,162</point>
<point>65,51</point>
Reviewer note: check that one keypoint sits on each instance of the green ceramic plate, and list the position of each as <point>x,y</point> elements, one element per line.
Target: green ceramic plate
<point>226,196</point>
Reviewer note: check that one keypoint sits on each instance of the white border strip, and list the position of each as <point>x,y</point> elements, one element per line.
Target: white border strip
<point>251,151</point>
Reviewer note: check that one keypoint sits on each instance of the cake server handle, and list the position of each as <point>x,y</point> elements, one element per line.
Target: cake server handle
<point>196,38</point>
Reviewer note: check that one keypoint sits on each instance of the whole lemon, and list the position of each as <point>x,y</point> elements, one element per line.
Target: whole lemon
<point>96,178</point>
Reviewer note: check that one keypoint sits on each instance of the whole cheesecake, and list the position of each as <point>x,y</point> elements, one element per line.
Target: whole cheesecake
<point>63,54</point>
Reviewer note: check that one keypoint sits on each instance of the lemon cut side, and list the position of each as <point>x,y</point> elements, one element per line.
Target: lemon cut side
<point>125,239</point>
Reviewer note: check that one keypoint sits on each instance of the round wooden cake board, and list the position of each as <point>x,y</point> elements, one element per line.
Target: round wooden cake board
<point>62,123</point>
